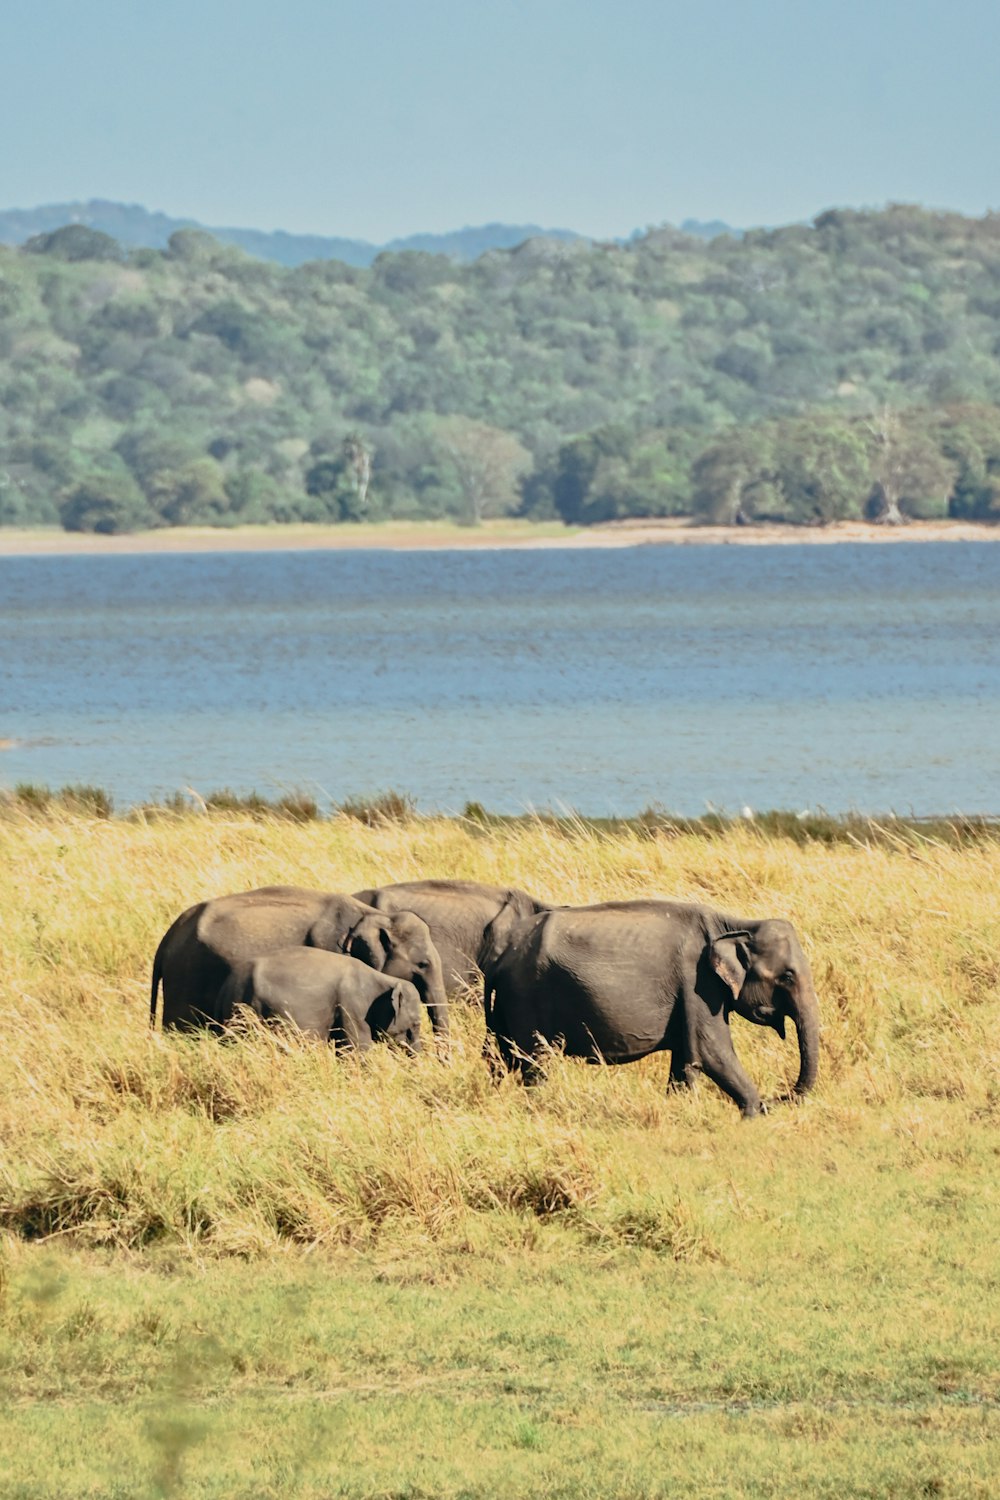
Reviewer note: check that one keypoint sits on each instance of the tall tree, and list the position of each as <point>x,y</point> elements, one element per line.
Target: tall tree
<point>341,482</point>
<point>488,464</point>
<point>908,469</point>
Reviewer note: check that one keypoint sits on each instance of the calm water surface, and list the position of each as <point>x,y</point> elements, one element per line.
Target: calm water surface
<point>845,677</point>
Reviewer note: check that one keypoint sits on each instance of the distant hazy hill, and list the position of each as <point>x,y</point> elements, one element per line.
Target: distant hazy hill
<point>708,229</point>
<point>133,226</point>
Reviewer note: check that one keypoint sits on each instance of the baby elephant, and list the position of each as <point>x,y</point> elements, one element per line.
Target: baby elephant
<point>330,996</point>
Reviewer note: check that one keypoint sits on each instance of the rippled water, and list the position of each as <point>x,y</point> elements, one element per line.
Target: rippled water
<point>859,677</point>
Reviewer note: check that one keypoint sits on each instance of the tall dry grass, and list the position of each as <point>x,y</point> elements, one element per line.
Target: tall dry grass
<point>116,1136</point>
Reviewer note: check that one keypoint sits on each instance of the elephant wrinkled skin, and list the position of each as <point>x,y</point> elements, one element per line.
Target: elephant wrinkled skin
<point>619,980</point>
<point>459,914</point>
<point>209,941</point>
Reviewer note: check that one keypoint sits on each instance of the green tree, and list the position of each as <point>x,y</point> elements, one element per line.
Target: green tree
<point>108,501</point>
<point>733,479</point>
<point>341,481</point>
<point>745,358</point>
<point>194,495</point>
<point>254,497</point>
<point>822,469</point>
<point>75,242</point>
<point>911,475</point>
<point>577,466</point>
<point>194,247</point>
<point>488,465</point>
<point>969,437</point>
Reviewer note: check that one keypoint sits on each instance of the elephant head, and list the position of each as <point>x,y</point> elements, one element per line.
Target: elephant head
<point>399,945</point>
<point>768,976</point>
<point>395,1015</point>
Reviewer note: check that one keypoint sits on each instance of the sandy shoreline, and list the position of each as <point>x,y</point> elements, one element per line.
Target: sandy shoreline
<point>432,535</point>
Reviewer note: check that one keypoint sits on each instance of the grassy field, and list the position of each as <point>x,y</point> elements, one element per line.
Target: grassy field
<point>250,1270</point>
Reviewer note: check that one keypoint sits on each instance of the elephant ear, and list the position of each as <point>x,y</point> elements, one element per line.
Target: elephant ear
<point>405,1014</point>
<point>499,932</point>
<point>381,1015</point>
<point>400,997</point>
<point>371,942</point>
<point>331,930</point>
<point>730,958</point>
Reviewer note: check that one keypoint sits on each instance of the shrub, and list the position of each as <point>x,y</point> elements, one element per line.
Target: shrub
<point>384,807</point>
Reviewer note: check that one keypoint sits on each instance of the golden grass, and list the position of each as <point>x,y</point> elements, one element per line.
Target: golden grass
<point>127,1137</point>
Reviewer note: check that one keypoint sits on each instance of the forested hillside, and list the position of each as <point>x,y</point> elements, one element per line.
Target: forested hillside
<point>806,373</point>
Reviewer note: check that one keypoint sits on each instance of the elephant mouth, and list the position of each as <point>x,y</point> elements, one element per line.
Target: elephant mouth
<point>766,1015</point>
<point>771,1017</point>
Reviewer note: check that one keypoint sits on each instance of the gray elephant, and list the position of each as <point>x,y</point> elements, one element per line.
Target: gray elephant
<point>207,942</point>
<point>327,995</point>
<point>619,980</point>
<point>468,922</point>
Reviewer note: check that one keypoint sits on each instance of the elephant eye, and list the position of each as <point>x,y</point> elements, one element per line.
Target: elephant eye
<point>788,977</point>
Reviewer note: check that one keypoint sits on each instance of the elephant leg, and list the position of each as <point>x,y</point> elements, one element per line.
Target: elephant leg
<point>682,1074</point>
<point>493,1056</point>
<point>504,1056</point>
<point>682,1040</point>
<point>719,1062</point>
<point>532,1071</point>
<point>510,1035</point>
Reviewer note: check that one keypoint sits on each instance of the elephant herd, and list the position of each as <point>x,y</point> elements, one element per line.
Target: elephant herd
<point>611,982</point>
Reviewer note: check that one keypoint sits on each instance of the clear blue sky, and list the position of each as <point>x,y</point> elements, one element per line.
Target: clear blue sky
<point>387,117</point>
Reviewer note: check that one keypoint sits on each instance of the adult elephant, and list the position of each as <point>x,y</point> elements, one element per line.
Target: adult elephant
<point>330,996</point>
<point>621,979</point>
<point>207,942</point>
<point>468,922</point>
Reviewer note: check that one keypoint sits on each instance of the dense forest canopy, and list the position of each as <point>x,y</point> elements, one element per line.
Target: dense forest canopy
<point>809,373</point>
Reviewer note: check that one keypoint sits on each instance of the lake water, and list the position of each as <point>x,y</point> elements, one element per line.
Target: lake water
<point>848,677</point>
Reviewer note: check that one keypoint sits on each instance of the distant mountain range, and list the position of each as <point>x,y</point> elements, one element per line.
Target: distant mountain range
<point>133,226</point>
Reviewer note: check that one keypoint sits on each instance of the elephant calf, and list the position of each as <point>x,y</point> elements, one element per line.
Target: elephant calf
<point>330,996</point>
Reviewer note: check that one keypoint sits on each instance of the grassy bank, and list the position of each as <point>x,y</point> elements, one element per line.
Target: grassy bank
<point>251,1270</point>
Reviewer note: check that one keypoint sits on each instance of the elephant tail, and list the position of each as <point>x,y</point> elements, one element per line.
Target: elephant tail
<point>155,986</point>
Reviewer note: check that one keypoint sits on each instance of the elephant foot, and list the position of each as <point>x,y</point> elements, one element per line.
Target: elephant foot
<point>498,1069</point>
<point>531,1070</point>
<point>679,1082</point>
<point>785,1099</point>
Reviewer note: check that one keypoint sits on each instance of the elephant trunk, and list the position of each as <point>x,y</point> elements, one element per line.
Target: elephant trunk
<point>435,998</point>
<point>805,1015</point>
